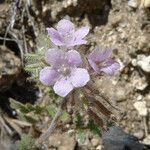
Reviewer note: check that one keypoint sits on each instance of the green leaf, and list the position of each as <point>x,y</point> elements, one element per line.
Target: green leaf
<point>35,61</point>
<point>28,112</point>
<point>30,119</point>
<point>81,136</point>
<point>26,143</point>
<point>79,121</point>
<point>33,57</point>
<point>26,108</point>
<point>39,109</point>
<point>53,95</point>
<point>51,110</point>
<point>17,105</point>
<point>35,108</point>
<point>64,117</point>
<point>93,127</point>
<point>33,78</point>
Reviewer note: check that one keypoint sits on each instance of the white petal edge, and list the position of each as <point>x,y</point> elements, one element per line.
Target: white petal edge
<point>63,87</point>
<point>79,77</point>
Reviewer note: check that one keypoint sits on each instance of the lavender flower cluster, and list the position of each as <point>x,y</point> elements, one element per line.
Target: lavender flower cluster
<point>64,72</point>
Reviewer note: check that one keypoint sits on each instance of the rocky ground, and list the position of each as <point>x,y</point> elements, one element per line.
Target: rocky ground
<point>123,25</point>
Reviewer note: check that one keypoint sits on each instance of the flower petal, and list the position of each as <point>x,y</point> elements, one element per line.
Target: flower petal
<point>110,67</point>
<point>74,58</point>
<point>54,56</point>
<point>93,65</point>
<point>100,54</point>
<point>48,76</point>
<point>54,36</point>
<point>79,77</point>
<point>81,32</point>
<point>65,27</point>
<point>62,87</point>
<point>77,42</point>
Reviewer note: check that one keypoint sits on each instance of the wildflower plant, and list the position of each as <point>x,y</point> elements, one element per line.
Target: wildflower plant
<point>63,69</point>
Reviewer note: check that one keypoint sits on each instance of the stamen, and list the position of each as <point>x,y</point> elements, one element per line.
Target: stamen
<point>64,70</point>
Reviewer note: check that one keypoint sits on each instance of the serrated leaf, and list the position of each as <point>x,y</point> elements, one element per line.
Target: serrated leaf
<point>51,110</point>
<point>93,127</point>
<point>79,121</point>
<point>31,119</point>
<point>39,109</point>
<point>81,136</point>
<point>27,108</point>
<point>34,62</point>
<point>33,78</point>
<point>35,108</point>
<point>26,143</point>
<point>17,105</point>
<point>64,117</point>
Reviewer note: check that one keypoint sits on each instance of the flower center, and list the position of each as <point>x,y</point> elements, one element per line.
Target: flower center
<point>68,36</point>
<point>100,63</point>
<point>64,70</point>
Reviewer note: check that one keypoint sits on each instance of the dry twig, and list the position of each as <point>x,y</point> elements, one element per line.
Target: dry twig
<point>53,124</point>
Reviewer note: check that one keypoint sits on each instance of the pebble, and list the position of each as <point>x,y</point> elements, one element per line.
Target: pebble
<point>134,62</point>
<point>139,134</point>
<point>145,3</point>
<point>147,140</point>
<point>144,62</point>
<point>99,147</point>
<point>140,106</point>
<point>140,83</point>
<point>71,132</point>
<point>139,97</point>
<point>133,3</point>
<point>95,142</point>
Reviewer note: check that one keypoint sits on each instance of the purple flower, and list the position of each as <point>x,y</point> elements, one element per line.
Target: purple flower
<point>63,72</point>
<point>66,35</point>
<point>100,61</point>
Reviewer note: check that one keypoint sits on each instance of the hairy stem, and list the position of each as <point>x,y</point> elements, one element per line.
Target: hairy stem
<point>53,124</point>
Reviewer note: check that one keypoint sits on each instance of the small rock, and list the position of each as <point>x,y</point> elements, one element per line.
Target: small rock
<point>99,147</point>
<point>140,106</point>
<point>71,132</point>
<point>95,142</point>
<point>134,62</point>
<point>145,3</point>
<point>116,139</point>
<point>140,83</point>
<point>133,3</point>
<point>139,97</point>
<point>144,62</point>
<point>147,140</point>
<point>139,134</point>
